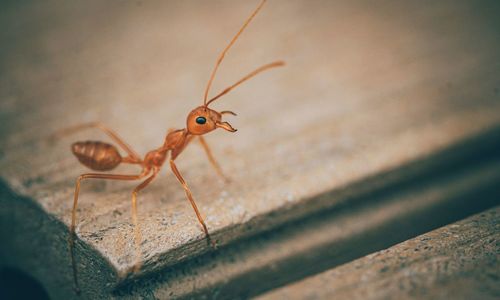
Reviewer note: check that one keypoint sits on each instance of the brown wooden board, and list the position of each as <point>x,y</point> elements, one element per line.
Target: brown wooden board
<point>368,88</point>
<point>458,261</point>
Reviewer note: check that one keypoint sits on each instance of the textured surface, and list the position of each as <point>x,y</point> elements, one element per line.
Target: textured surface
<point>362,224</point>
<point>366,89</point>
<point>458,261</point>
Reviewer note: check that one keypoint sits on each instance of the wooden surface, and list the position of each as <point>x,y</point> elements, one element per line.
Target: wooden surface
<point>360,224</point>
<point>367,89</point>
<point>458,261</point>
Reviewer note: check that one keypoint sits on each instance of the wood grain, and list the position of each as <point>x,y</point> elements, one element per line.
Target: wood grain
<point>458,261</point>
<point>367,89</point>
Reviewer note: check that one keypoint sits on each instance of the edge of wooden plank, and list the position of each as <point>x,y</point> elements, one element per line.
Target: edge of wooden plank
<point>464,160</point>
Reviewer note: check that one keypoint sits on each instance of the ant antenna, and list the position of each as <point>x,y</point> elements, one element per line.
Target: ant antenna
<point>250,75</point>
<point>221,56</point>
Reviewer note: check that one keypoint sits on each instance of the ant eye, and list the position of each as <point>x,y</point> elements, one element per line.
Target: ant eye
<point>201,120</point>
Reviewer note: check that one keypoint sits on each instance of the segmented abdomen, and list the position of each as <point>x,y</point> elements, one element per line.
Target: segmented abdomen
<point>96,155</point>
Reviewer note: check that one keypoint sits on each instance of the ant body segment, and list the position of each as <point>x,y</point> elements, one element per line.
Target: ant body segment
<point>101,156</point>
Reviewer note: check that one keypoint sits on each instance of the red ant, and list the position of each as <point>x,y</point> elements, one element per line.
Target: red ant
<point>101,156</point>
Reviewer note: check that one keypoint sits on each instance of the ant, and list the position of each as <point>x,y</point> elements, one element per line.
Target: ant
<point>101,156</point>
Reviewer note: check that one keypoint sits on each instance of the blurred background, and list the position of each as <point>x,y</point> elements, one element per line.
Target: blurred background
<point>385,89</point>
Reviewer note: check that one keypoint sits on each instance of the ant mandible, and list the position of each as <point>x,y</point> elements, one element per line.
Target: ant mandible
<point>101,156</point>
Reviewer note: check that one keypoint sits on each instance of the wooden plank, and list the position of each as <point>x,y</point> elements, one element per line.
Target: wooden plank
<point>364,223</point>
<point>368,216</point>
<point>458,261</point>
<point>366,90</point>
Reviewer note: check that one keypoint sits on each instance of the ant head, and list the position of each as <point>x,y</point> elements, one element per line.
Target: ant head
<point>202,120</point>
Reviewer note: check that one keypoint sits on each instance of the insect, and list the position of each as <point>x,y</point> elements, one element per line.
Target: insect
<point>102,156</point>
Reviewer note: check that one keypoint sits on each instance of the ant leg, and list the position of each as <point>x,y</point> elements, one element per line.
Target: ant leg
<point>191,200</point>
<point>134,157</point>
<point>75,203</point>
<point>212,159</point>
<point>137,228</point>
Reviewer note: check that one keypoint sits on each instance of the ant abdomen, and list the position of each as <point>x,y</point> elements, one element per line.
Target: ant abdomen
<point>97,155</point>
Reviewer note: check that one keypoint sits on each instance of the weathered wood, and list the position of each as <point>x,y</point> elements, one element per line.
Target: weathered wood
<point>361,223</point>
<point>458,261</point>
<point>366,91</point>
